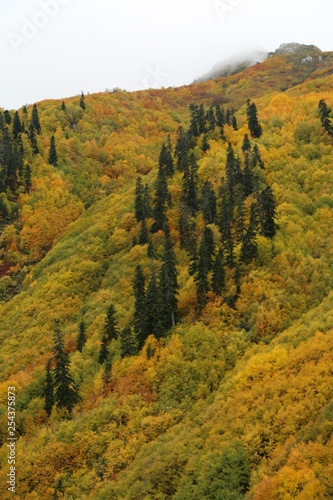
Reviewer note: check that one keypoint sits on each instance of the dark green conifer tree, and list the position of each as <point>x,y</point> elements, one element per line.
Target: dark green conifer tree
<point>166,160</point>
<point>17,125</point>
<point>139,204</point>
<point>266,209</point>
<point>143,236</point>
<point>187,228</point>
<point>65,392</point>
<point>48,389</point>
<point>205,144</point>
<point>190,185</point>
<point>139,320</point>
<point>234,122</point>
<point>147,212</point>
<point>248,177</point>
<point>63,106</point>
<point>203,266</point>
<point>252,120</point>
<point>53,157</point>
<point>220,116</point>
<point>27,178</point>
<point>208,203</point>
<point>162,199</point>
<point>168,289</point>
<point>7,116</point>
<point>128,343</point>
<point>211,118</point>
<point>33,140</point>
<point>152,319</point>
<point>82,102</point>
<point>111,324</point>
<point>34,122</point>
<point>246,147</point>
<point>249,248</point>
<point>81,337</point>
<point>104,351</point>
<point>218,279</point>
<point>182,149</point>
<point>256,158</point>
<point>194,125</point>
<point>324,113</point>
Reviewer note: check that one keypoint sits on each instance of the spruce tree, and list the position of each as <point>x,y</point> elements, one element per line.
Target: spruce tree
<point>324,113</point>
<point>190,185</point>
<point>139,206</point>
<point>27,178</point>
<point>166,161</point>
<point>104,350</point>
<point>53,157</point>
<point>187,228</point>
<point>203,266</point>
<point>140,306</point>
<point>220,116</point>
<point>152,316</point>
<point>63,106</point>
<point>248,178</point>
<point>234,123</point>
<point>246,147</point>
<point>182,149</point>
<point>82,101</point>
<point>201,119</point>
<point>256,158</point>
<point>249,248</point>
<point>218,279</point>
<point>111,325</point>
<point>65,392</point>
<point>7,116</point>
<point>128,343</point>
<point>48,389</point>
<point>81,338</point>
<point>34,122</point>
<point>208,203</point>
<point>211,118</point>
<point>226,224</point>
<point>33,140</point>
<point>267,212</point>
<point>17,125</point>
<point>252,120</point>
<point>162,199</point>
<point>168,289</point>
<point>144,236</point>
<point>205,144</point>
<point>147,212</point>
<point>194,125</point>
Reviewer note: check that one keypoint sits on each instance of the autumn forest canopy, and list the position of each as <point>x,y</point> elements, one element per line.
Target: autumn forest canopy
<point>166,274</point>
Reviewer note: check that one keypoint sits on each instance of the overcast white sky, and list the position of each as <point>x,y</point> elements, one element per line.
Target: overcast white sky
<point>56,48</point>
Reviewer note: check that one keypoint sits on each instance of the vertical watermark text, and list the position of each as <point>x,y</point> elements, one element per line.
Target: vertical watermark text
<point>11,438</point>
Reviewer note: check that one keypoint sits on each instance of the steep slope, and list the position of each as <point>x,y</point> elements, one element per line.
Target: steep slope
<point>234,402</point>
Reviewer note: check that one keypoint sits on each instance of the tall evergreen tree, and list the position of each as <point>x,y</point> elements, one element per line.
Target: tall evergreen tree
<point>248,177</point>
<point>63,106</point>
<point>190,185</point>
<point>182,149</point>
<point>128,343</point>
<point>166,160</point>
<point>111,325</point>
<point>252,120</point>
<point>256,158</point>
<point>53,157</point>
<point>104,350</point>
<point>220,116</point>
<point>82,101</point>
<point>267,212</point>
<point>33,140</point>
<point>205,144</point>
<point>324,113</point>
<point>139,204</point>
<point>168,289</point>
<point>34,122</point>
<point>246,147</point>
<point>17,125</point>
<point>143,236</point>
<point>218,279</point>
<point>48,389</point>
<point>147,212</point>
<point>203,266</point>
<point>208,203</point>
<point>162,200</point>
<point>139,287</point>
<point>27,178</point>
<point>249,248</point>
<point>152,317</point>
<point>65,392</point>
<point>211,118</point>
<point>81,338</point>
<point>7,116</point>
<point>187,228</point>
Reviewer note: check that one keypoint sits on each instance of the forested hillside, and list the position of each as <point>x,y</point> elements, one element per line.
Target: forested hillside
<point>166,274</point>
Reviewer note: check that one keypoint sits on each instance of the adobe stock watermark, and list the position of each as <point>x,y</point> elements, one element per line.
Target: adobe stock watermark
<point>30,28</point>
<point>155,77</point>
<point>225,7</point>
